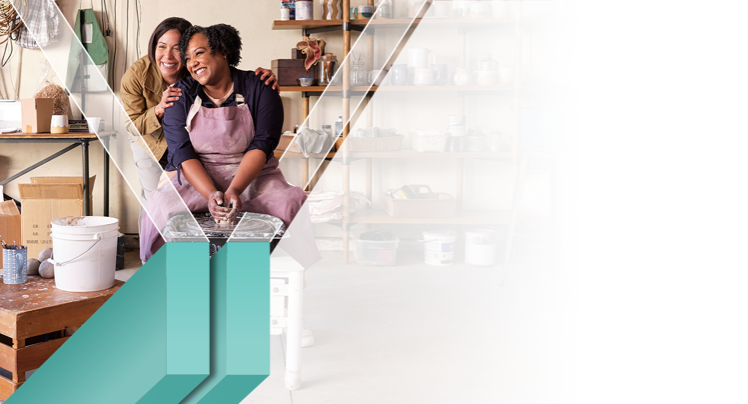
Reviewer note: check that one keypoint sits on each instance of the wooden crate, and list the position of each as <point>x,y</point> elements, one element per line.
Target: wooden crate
<point>288,71</point>
<point>33,312</point>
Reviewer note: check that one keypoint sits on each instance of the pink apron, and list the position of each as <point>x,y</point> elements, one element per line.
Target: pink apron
<point>220,137</point>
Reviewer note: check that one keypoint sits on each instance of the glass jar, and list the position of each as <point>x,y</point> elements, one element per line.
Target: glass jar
<point>327,68</point>
<point>488,64</point>
<point>359,75</point>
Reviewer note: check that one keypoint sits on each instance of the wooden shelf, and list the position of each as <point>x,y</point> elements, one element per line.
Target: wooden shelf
<point>403,22</point>
<point>319,89</point>
<point>310,24</point>
<point>403,154</point>
<point>507,87</point>
<point>292,155</point>
<point>388,22</point>
<point>473,217</point>
<point>412,154</point>
<point>71,135</point>
<point>388,88</point>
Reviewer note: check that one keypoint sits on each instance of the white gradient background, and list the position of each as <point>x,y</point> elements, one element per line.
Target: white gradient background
<point>662,202</point>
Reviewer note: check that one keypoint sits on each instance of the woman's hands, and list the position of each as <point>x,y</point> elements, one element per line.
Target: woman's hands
<point>268,74</point>
<point>167,100</point>
<point>234,201</point>
<point>224,207</point>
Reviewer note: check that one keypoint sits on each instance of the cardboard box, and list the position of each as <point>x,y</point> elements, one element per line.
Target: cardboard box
<point>47,199</point>
<point>36,115</point>
<point>10,223</point>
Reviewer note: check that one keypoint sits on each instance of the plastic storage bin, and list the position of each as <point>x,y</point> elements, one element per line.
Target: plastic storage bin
<point>376,252</point>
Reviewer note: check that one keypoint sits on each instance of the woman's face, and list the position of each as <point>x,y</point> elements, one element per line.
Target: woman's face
<point>167,56</point>
<point>204,67</point>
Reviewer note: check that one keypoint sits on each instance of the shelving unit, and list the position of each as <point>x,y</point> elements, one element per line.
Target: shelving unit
<point>465,26</point>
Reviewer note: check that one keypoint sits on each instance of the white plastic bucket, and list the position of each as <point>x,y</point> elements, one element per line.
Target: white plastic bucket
<point>439,247</point>
<point>480,247</point>
<point>85,250</point>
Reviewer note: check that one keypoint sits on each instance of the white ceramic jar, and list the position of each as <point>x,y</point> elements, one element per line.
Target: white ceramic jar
<point>59,124</point>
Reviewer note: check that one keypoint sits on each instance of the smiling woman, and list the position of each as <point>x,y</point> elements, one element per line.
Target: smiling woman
<point>221,135</point>
<point>147,93</point>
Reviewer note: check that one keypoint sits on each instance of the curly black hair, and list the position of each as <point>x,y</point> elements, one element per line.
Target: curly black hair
<point>221,37</point>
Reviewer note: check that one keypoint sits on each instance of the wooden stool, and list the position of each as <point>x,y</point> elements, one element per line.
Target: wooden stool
<point>33,319</point>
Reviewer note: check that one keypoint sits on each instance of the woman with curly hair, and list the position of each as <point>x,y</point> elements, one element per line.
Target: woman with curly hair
<point>221,135</point>
<point>147,92</point>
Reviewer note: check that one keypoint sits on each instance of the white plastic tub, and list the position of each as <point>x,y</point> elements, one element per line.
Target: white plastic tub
<point>480,247</point>
<point>439,247</point>
<point>85,251</point>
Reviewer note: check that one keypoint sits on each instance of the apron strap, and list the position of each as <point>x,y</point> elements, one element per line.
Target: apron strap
<point>193,111</point>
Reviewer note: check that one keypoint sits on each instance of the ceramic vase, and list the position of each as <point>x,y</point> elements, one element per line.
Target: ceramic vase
<point>332,9</point>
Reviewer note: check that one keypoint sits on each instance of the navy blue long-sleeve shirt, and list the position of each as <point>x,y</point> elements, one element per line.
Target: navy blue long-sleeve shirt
<point>264,104</point>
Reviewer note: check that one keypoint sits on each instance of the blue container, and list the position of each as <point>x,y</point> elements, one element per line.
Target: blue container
<point>14,265</point>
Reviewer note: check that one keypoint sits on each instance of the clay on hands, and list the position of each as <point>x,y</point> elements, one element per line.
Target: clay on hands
<point>217,210</point>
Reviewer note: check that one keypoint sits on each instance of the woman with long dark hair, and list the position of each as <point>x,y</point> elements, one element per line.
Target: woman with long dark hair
<point>221,134</point>
<point>147,92</point>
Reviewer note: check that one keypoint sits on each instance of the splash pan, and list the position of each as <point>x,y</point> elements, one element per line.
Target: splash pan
<point>252,227</point>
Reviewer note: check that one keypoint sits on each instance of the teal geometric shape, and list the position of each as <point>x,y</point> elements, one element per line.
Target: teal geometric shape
<point>239,323</point>
<point>149,343</point>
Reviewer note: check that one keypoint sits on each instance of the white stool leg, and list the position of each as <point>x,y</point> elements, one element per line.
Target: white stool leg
<point>293,332</point>
<point>307,336</point>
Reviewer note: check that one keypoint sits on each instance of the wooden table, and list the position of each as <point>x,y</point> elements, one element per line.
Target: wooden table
<point>33,319</point>
<point>77,139</point>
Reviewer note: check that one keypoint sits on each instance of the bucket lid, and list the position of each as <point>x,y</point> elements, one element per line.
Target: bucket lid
<point>84,224</point>
<point>439,233</point>
<point>85,221</point>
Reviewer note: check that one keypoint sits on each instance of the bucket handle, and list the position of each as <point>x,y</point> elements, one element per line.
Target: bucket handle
<point>99,237</point>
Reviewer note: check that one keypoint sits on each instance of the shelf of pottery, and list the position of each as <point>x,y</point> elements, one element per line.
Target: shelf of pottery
<point>432,98</point>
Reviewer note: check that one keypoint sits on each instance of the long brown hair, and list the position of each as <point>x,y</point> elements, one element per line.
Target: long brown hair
<point>172,23</point>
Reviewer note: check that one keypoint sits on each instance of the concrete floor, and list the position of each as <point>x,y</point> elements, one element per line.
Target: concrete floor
<point>415,333</point>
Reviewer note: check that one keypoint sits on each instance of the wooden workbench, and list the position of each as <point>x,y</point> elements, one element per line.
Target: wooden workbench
<point>33,319</point>
<point>77,139</point>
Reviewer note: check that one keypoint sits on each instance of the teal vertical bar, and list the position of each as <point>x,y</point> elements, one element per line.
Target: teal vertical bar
<point>240,317</point>
<point>248,336</point>
<point>187,312</point>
